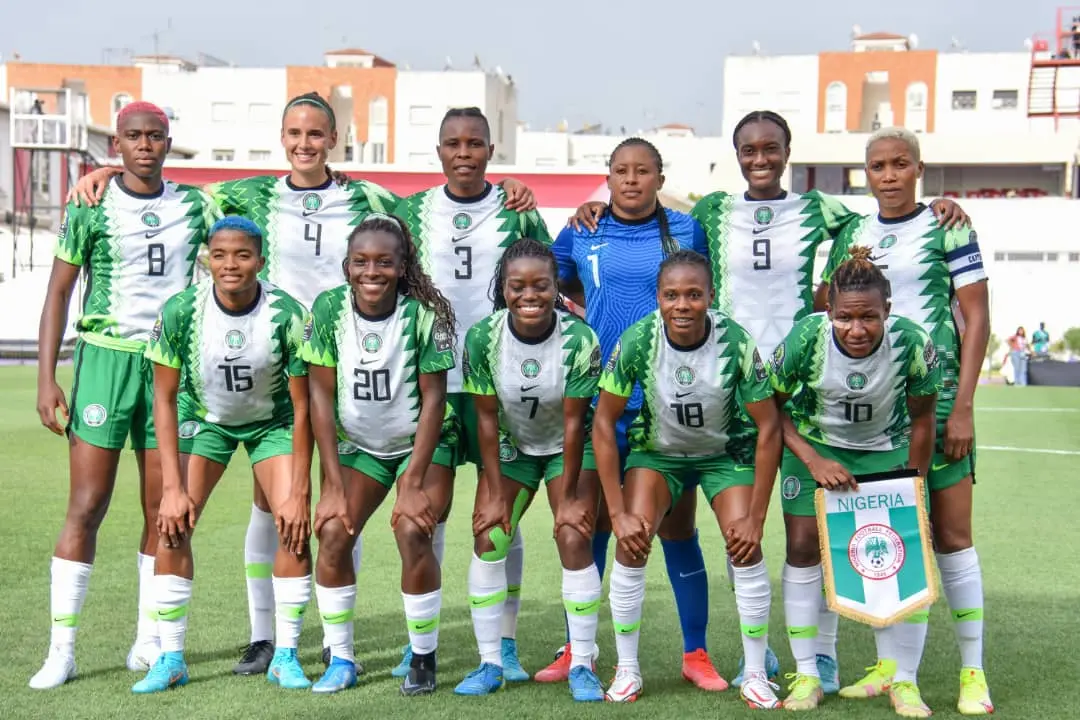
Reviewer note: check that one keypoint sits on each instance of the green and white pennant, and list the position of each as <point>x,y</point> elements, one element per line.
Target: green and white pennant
<point>876,556</point>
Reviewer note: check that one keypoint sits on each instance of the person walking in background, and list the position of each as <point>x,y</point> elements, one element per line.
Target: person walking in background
<point>1040,341</point>
<point>1018,356</point>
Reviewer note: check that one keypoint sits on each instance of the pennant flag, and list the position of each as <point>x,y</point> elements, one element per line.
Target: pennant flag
<point>876,557</point>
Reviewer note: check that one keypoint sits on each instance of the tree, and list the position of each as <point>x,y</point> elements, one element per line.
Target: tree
<point>1072,339</point>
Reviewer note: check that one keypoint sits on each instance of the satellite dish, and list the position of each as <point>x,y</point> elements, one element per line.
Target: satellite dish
<point>913,41</point>
<point>856,31</point>
<point>756,46</point>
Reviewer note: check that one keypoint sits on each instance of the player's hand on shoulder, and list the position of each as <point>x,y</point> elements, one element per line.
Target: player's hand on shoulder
<point>587,216</point>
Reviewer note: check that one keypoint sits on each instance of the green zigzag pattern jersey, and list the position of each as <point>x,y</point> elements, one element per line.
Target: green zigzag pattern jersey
<point>925,265</point>
<point>763,253</point>
<point>459,244</point>
<point>305,231</point>
<point>531,379</point>
<point>690,395</point>
<point>379,362</point>
<point>136,251</point>
<point>235,368</point>
<point>855,403</point>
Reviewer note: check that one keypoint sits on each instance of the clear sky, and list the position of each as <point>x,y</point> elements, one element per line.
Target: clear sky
<point>583,61</point>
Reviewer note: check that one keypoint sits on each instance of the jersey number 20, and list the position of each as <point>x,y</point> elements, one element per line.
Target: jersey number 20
<point>371,385</point>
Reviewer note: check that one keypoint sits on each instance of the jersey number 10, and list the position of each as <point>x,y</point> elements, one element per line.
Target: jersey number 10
<point>857,412</point>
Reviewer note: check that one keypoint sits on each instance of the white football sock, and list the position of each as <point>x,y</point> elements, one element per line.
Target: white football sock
<point>487,599</point>
<point>802,602</point>
<point>515,569</point>
<point>581,591</point>
<point>422,618</point>
<point>909,639</point>
<point>292,596</point>
<point>961,577</point>
<point>67,591</point>
<point>336,607</point>
<point>146,631</point>
<point>260,546</point>
<point>626,597</point>
<point>438,542</point>
<point>172,595</point>
<point>753,596</point>
<point>828,625</point>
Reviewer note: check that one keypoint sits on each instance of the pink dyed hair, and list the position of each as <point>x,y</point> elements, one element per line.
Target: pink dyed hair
<point>138,107</point>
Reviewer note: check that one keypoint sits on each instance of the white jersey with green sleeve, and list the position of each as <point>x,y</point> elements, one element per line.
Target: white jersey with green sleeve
<point>690,402</point>
<point>530,377</point>
<point>925,265</point>
<point>378,362</point>
<point>763,252</point>
<point>459,243</point>
<point>137,251</point>
<point>235,366</point>
<point>305,230</point>
<point>855,403</point>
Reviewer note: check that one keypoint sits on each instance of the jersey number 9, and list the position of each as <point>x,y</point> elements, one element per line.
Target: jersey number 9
<point>762,254</point>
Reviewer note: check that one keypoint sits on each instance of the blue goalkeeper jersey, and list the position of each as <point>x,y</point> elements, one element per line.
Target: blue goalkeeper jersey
<point>617,267</point>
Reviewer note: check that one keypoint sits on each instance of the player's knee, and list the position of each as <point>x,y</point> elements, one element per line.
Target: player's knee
<point>87,506</point>
<point>950,539</point>
<point>412,542</point>
<point>335,541</point>
<point>493,545</point>
<point>572,543</point>
<point>802,548</point>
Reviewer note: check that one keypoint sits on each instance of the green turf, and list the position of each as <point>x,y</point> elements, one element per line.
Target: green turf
<point>1025,506</point>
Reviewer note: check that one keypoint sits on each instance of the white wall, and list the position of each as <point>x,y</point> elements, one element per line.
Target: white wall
<point>257,98</point>
<point>984,73</point>
<point>787,84</point>
<point>962,178</point>
<point>424,97</point>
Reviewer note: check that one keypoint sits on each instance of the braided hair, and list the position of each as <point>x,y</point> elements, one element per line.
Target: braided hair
<point>467,112</point>
<point>415,283</point>
<point>686,257</point>
<point>859,274</point>
<point>762,116</point>
<point>670,244</point>
<point>523,248</point>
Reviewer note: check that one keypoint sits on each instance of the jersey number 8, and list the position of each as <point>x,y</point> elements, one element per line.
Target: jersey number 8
<point>155,259</point>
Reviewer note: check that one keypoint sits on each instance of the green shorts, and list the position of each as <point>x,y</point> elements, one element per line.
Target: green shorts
<point>468,447</point>
<point>797,486</point>
<point>944,474</point>
<point>715,474</point>
<point>386,470</point>
<point>262,440</point>
<point>530,470</point>
<point>112,398</point>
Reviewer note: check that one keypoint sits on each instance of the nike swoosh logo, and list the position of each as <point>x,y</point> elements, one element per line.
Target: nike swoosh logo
<point>597,247</point>
<point>368,361</point>
<point>758,231</point>
<point>755,632</point>
<point>455,239</point>
<point>961,616</point>
<point>152,235</point>
<point>937,467</point>
<point>527,388</point>
<point>691,574</point>
<point>680,395</point>
<point>584,608</point>
<point>793,632</point>
<point>234,357</point>
<point>424,626</point>
<point>305,213</point>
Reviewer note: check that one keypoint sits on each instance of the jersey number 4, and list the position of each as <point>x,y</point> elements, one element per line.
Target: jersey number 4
<point>313,234</point>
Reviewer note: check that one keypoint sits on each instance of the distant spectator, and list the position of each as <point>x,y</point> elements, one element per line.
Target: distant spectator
<point>1040,341</point>
<point>1018,356</point>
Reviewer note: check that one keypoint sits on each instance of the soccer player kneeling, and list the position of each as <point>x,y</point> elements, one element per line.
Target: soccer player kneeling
<point>227,370</point>
<point>532,369</point>
<point>690,362</point>
<point>379,348</point>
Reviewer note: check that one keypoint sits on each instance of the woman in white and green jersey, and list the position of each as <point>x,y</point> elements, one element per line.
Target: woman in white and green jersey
<point>379,349</point>
<point>461,229</point>
<point>135,250</point>
<point>306,217</point>
<point>863,384</point>
<point>929,267</point>
<point>762,245</point>
<point>228,372</point>
<point>693,365</point>
<point>532,369</point>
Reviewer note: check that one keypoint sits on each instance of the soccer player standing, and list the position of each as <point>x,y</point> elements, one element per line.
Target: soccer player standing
<point>461,228</point>
<point>611,271</point>
<point>137,249</point>
<point>694,366</point>
<point>928,267</point>
<point>229,348</point>
<point>532,369</point>
<point>864,383</point>
<point>379,349</point>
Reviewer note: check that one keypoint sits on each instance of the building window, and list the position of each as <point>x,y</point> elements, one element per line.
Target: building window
<point>999,257</point>
<point>378,153</point>
<point>915,110</point>
<point>1051,257</point>
<point>222,112</point>
<point>119,100</point>
<point>1074,257</point>
<point>1005,100</point>
<point>836,107</point>
<point>963,99</point>
<point>1025,256</point>
<point>259,113</point>
<point>420,115</point>
<point>259,155</point>
<point>222,155</point>
<point>377,112</point>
